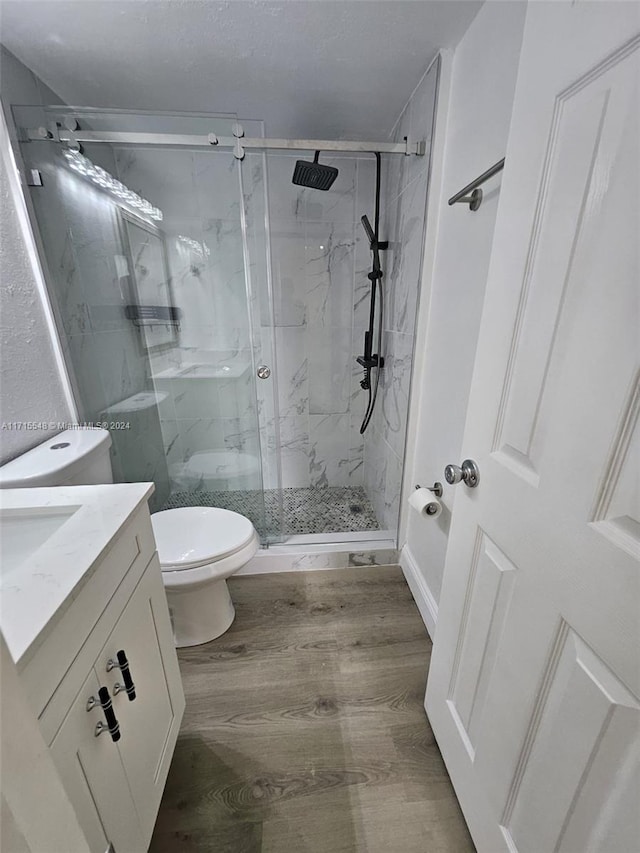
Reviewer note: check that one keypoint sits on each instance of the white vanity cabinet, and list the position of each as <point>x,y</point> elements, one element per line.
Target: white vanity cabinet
<point>93,775</point>
<point>149,723</point>
<point>114,786</point>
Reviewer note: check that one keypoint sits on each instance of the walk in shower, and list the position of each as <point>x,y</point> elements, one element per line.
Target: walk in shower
<point>211,311</point>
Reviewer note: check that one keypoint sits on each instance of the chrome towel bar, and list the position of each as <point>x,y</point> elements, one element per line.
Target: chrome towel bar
<point>475,199</point>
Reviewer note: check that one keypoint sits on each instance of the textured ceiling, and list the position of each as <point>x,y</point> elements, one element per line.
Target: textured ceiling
<point>310,68</point>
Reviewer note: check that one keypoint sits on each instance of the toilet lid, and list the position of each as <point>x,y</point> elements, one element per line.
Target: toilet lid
<point>196,535</point>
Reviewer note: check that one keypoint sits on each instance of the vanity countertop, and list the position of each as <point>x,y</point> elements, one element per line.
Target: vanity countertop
<point>51,540</point>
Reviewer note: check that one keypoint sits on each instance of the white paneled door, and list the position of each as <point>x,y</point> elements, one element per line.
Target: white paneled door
<point>534,687</point>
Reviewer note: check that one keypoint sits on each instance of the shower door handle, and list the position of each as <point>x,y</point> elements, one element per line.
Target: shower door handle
<point>263,371</point>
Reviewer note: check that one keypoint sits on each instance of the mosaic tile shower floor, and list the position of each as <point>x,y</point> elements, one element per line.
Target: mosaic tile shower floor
<point>335,509</point>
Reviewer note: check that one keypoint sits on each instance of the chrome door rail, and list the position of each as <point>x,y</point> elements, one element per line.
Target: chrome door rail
<point>236,142</point>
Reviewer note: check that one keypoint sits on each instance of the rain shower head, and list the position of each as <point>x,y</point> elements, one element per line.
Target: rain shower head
<point>314,175</point>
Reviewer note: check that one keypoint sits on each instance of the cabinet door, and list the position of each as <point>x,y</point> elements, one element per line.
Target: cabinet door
<point>91,771</point>
<point>150,723</point>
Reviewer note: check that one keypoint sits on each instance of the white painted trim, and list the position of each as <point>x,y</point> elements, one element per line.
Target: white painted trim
<point>423,597</point>
<point>435,202</point>
<point>13,176</point>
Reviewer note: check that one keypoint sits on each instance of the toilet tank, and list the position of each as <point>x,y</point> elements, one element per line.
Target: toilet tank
<point>75,457</point>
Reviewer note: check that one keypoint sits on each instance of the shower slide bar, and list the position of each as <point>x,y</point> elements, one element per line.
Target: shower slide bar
<point>73,136</point>
<point>475,199</point>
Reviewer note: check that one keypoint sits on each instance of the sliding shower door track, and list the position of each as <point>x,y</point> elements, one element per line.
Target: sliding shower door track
<point>56,133</point>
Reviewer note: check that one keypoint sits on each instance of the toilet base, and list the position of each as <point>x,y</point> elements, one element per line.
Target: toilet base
<point>200,613</point>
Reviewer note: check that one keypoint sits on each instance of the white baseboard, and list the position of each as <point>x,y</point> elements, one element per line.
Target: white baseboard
<point>427,605</point>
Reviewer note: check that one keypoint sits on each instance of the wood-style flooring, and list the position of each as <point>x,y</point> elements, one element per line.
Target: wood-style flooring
<point>305,730</point>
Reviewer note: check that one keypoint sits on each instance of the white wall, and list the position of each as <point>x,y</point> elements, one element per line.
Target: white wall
<point>478,115</point>
<point>33,387</point>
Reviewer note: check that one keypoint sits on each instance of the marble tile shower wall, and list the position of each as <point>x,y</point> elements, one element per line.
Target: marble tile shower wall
<point>320,260</point>
<point>82,240</point>
<point>403,224</point>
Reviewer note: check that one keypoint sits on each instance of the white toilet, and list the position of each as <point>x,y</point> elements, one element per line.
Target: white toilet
<point>198,547</point>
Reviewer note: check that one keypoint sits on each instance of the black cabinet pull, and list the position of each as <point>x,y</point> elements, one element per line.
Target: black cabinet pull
<point>129,686</point>
<point>112,726</point>
<point>123,664</point>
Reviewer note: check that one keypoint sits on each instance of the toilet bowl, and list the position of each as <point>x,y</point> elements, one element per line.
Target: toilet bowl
<point>199,548</point>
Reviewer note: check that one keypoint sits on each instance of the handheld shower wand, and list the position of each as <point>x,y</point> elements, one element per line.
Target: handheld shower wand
<point>367,227</point>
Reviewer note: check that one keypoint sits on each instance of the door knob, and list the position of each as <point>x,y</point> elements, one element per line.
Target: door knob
<point>468,473</point>
<point>263,372</point>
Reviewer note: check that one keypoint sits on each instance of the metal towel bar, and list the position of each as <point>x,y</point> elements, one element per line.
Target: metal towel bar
<point>475,199</point>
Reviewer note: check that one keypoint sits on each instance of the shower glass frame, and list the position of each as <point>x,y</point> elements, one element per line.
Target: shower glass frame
<point>45,156</point>
<point>255,232</point>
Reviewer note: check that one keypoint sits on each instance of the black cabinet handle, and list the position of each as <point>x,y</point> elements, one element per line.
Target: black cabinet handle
<point>123,665</point>
<point>112,726</point>
<point>129,686</point>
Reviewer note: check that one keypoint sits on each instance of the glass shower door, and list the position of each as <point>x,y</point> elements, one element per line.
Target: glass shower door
<point>155,290</point>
